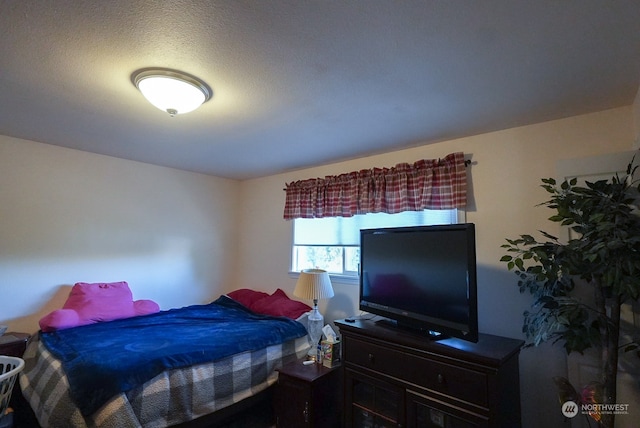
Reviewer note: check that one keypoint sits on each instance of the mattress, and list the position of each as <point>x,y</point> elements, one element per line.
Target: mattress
<point>172,397</point>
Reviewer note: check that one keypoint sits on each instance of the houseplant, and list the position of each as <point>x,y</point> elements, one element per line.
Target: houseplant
<point>602,254</point>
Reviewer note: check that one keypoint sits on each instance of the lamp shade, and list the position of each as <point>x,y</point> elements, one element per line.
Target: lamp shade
<point>172,91</point>
<point>313,284</point>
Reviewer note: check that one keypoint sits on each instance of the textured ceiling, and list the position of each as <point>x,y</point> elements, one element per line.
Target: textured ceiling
<point>300,83</point>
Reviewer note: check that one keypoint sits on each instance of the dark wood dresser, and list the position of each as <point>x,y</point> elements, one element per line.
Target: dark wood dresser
<point>393,377</point>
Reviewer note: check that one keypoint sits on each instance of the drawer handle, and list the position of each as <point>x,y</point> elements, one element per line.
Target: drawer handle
<point>372,359</point>
<point>440,379</point>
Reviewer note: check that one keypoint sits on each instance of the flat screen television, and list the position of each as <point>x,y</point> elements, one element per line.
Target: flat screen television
<point>422,278</point>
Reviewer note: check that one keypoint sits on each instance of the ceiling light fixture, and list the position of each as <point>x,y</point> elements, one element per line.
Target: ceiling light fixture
<point>170,90</point>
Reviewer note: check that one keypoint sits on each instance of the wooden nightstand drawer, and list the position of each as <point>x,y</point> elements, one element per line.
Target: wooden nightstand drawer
<point>461,383</point>
<point>308,396</point>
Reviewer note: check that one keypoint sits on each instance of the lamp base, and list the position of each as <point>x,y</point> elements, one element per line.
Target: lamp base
<point>315,322</point>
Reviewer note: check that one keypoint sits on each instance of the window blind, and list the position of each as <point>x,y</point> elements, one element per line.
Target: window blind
<point>345,231</point>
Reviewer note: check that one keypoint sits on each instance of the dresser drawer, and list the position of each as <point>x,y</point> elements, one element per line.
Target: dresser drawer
<point>461,383</point>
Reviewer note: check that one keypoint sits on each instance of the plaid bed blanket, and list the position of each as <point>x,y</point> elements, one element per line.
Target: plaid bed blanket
<point>170,398</point>
<point>102,359</point>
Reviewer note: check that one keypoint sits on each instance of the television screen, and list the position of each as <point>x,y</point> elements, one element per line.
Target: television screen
<point>422,278</point>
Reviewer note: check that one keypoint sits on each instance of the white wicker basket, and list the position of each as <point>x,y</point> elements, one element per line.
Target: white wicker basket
<point>9,369</point>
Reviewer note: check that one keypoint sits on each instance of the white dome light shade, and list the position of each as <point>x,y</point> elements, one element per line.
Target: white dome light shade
<point>171,91</point>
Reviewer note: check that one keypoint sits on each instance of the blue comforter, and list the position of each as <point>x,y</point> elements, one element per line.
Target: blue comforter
<point>104,359</point>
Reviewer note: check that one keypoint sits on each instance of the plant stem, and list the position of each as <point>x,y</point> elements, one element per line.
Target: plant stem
<point>610,338</point>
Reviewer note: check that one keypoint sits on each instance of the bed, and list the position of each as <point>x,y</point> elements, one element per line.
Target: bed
<point>159,370</point>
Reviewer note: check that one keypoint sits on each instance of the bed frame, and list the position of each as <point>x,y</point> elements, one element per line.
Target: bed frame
<point>227,414</point>
<point>24,416</point>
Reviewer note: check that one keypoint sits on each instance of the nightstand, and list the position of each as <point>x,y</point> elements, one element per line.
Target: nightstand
<point>308,396</point>
<point>13,344</point>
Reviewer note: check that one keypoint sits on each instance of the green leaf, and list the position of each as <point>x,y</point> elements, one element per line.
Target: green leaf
<point>603,252</point>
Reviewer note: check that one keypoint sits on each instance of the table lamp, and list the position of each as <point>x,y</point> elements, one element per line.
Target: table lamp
<point>314,284</point>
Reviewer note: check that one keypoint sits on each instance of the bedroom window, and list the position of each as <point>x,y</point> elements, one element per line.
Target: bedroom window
<point>333,243</point>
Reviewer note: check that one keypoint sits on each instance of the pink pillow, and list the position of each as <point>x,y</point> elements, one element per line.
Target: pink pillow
<point>91,303</point>
<point>145,307</point>
<point>279,305</point>
<point>247,296</point>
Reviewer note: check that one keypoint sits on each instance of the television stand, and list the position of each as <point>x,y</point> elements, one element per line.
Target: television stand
<point>426,333</point>
<point>394,377</point>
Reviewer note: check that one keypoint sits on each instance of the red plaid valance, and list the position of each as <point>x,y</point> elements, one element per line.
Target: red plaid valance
<point>427,184</point>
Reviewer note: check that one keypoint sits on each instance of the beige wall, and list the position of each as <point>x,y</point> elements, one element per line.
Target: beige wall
<point>182,238</point>
<point>505,178</point>
<point>504,191</point>
<point>68,216</point>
